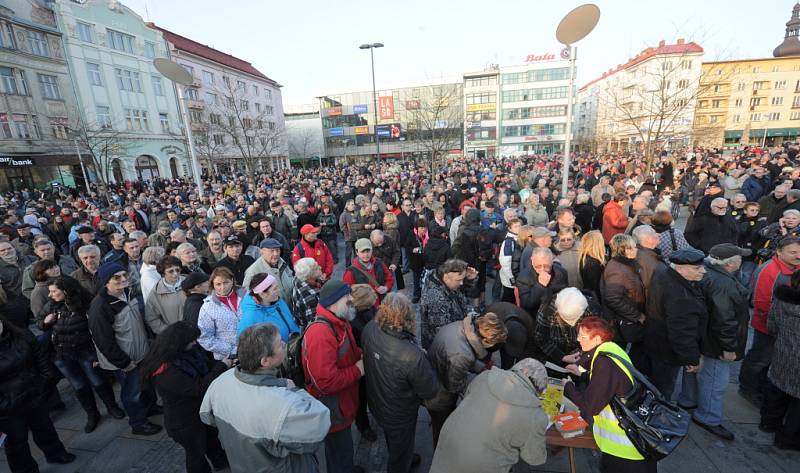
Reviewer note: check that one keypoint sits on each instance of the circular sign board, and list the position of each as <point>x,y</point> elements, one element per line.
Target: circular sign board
<point>578,23</point>
<point>173,71</point>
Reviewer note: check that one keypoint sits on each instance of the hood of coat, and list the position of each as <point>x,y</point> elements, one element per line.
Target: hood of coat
<point>791,297</point>
<point>510,388</point>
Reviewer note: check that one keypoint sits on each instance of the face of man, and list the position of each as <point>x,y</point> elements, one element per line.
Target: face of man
<point>566,220</point>
<point>739,201</point>
<point>24,232</point>
<point>45,252</point>
<point>310,237</point>
<point>7,251</point>
<point>566,241</point>
<point>541,263</point>
<point>271,255</point>
<point>129,226</point>
<point>133,250</point>
<point>118,282</point>
<point>233,251</point>
<point>265,228</point>
<point>87,237</point>
<point>791,220</point>
<point>544,241</point>
<point>214,241</point>
<point>454,280</point>
<point>693,272</point>
<point>780,192</point>
<point>365,255</point>
<point>116,241</point>
<point>719,208</point>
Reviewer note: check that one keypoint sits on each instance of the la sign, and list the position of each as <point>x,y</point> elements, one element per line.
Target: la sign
<point>540,57</point>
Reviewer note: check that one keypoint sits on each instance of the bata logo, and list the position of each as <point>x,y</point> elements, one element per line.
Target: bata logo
<point>540,57</point>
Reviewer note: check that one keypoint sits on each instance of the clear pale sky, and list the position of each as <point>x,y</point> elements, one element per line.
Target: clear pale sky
<point>311,47</point>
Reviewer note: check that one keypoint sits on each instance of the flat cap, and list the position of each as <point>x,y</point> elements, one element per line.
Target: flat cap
<point>727,250</point>
<point>687,256</point>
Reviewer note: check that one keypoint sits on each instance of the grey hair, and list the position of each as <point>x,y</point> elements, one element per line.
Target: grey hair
<point>719,201</point>
<point>539,251</point>
<point>641,232</point>
<point>255,343</point>
<point>86,249</point>
<point>137,234</point>
<point>183,247</point>
<point>304,268</point>
<point>375,234</point>
<point>532,371</point>
<point>177,231</point>
<point>152,254</point>
<point>582,198</point>
<point>740,195</point>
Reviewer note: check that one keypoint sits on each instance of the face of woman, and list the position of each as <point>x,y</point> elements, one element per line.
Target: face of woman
<point>587,342</point>
<point>631,252</point>
<point>222,286</point>
<point>271,295</point>
<point>53,272</point>
<point>56,294</point>
<point>171,274</point>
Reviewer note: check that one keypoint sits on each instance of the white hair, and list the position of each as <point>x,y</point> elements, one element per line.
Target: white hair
<point>723,262</point>
<point>304,268</point>
<point>571,301</point>
<point>641,232</point>
<point>540,251</point>
<point>152,254</point>
<point>86,249</point>
<point>183,247</point>
<point>582,198</point>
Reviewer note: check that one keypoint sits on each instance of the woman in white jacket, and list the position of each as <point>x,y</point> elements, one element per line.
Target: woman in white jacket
<point>148,274</point>
<point>220,314</point>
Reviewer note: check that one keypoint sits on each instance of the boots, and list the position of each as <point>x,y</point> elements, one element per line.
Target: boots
<point>107,396</point>
<point>86,399</point>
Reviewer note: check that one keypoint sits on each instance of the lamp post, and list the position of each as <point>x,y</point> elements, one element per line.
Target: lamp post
<point>181,77</point>
<point>371,48</point>
<point>574,27</point>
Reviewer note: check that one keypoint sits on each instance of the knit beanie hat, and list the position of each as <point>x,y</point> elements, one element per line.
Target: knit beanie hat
<point>332,291</point>
<point>107,270</point>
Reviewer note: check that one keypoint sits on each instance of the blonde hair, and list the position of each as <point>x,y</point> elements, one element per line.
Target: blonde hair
<point>491,329</point>
<point>396,313</point>
<point>620,243</point>
<point>525,235</point>
<point>389,218</point>
<point>592,244</point>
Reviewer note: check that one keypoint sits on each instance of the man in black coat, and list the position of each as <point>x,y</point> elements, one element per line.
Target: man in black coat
<point>404,231</point>
<point>676,320</point>
<point>195,285</point>
<point>234,259</point>
<point>708,230</point>
<point>542,281</point>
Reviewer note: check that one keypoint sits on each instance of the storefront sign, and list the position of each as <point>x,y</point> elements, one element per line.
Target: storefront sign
<point>480,107</point>
<point>359,109</point>
<point>9,161</point>
<point>335,131</point>
<point>412,105</point>
<point>386,107</point>
<point>362,130</point>
<point>540,57</point>
<point>334,111</point>
<point>390,132</point>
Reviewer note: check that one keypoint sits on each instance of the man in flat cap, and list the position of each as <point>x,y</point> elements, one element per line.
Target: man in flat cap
<point>676,319</point>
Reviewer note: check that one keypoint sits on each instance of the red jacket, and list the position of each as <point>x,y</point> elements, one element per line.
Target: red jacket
<point>327,373</point>
<point>320,253</point>
<point>614,221</point>
<point>762,295</point>
<point>354,276</point>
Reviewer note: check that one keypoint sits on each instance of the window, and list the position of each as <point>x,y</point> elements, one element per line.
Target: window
<point>755,117</point>
<point>544,93</point>
<point>38,42</point>
<point>240,85</point>
<point>21,125</point>
<point>119,41</point>
<point>189,69</point>
<point>9,41</point>
<point>702,104</point>
<point>5,128</point>
<point>164,119</point>
<point>93,71</point>
<point>49,87</point>
<point>533,112</point>
<point>686,64</point>
<point>717,87</point>
<point>230,102</point>
<point>735,118</point>
<point>245,104</point>
<point>485,97</point>
<point>215,119</point>
<point>481,115</point>
<point>796,101</point>
<point>260,124</point>
<point>268,109</point>
<point>208,77</point>
<point>776,68</point>
<point>481,81</point>
<point>737,103</point>
<point>713,119</point>
<point>755,101</point>
<point>85,32</point>
<point>136,120</point>
<point>227,81</point>
<point>128,80</point>
<point>777,101</point>
<point>219,139</point>
<point>232,122</point>
<point>211,99</point>
<point>780,85</point>
<point>684,83</point>
<point>666,65</point>
<point>258,107</point>
<point>149,49</point>
<point>756,70</point>
<point>247,123</point>
<point>794,116</point>
<point>774,116</point>
<point>12,81</point>
<point>539,75</point>
<point>715,103</point>
<point>255,90</point>
<point>191,94</point>
<point>741,86</point>
<point>759,85</point>
<point>251,141</point>
<point>103,116</point>
<point>797,86</point>
<point>268,93</point>
<point>58,127</point>
<point>158,87</point>
<point>535,130</point>
<point>489,133</point>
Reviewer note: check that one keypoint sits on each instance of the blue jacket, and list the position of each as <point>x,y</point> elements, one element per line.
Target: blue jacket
<point>754,188</point>
<point>278,314</point>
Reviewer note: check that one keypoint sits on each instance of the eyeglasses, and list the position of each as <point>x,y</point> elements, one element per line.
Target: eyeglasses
<point>582,337</point>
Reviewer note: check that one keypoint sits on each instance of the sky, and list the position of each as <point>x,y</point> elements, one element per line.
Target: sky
<point>310,47</point>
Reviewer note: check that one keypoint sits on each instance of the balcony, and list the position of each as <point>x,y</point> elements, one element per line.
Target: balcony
<point>197,82</point>
<point>196,104</point>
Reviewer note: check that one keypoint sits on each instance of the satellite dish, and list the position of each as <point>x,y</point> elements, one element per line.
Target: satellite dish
<point>173,71</point>
<point>577,24</point>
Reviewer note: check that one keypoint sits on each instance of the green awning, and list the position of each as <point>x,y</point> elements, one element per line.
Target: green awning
<point>775,132</point>
<point>733,134</point>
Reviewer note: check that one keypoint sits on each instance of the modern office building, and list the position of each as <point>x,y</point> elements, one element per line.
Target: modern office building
<point>36,100</point>
<point>517,110</point>
<point>126,107</point>
<point>752,101</point>
<point>412,122</point>
<point>236,112</point>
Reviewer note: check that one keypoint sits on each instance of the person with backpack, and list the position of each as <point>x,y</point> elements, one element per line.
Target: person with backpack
<point>332,366</point>
<point>507,250</point>
<point>474,245</point>
<point>312,247</point>
<point>367,269</point>
<point>607,377</point>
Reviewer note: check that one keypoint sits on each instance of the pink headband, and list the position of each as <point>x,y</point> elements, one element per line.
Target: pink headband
<point>266,283</point>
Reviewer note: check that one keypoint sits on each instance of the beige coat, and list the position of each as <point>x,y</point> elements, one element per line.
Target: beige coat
<point>499,423</point>
<point>163,307</point>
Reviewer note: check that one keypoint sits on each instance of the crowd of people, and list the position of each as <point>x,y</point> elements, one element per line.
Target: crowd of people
<point>223,309</point>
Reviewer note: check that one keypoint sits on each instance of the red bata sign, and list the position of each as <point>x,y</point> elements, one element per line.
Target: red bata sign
<point>540,57</point>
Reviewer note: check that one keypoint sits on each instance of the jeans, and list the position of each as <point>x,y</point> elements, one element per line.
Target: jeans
<point>746,272</point>
<point>781,411</point>
<point>199,442</point>
<point>339,451</point>
<point>706,390</point>
<point>135,401</point>
<point>400,442</point>
<point>80,370</point>
<point>753,374</point>
<point>417,283</point>
<point>349,251</point>
<point>404,259</point>
<point>17,426</point>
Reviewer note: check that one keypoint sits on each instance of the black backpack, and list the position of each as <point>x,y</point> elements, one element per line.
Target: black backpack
<point>292,367</point>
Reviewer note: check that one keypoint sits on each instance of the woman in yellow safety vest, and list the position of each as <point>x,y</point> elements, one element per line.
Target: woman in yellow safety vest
<point>607,378</point>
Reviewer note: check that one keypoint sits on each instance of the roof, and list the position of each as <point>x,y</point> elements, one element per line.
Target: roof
<point>190,46</point>
<point>663,49</point>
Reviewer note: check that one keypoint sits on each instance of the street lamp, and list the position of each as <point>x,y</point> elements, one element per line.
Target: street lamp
<point>574,27</point>
<point>372,47</point>
<point>181,77</point>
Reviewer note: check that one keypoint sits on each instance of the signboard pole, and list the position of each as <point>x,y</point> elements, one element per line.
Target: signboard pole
<point>568,140</point>
<point>375,105</point>
<point>80,160</point>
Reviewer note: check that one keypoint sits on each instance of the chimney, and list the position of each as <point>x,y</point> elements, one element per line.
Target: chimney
<point>681,41</point>
<point>661,43</point>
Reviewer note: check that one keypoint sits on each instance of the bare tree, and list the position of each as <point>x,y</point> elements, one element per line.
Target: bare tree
<point>437,120</point>
<point>302,145</point>
<point>105,144</point>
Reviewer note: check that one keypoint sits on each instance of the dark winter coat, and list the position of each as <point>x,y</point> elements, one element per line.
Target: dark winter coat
<point>784,324</point>
<point>532,294</point>
<point>705,231</point>
<point>591,273</point>
<point>729,312</point>
<point>191,307</point>
<point>623,296</point>
<point>584,214</point>
<point>398,375</point>
<point>70,331</point>
<point>436,252</point>
<point>24,369</point>
<point>237,267</point>
<point>118,331</point>
<point>440,306</point>
<point>676,319</point>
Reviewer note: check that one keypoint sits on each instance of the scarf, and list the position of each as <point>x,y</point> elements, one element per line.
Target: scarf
<point>231,300</point>
<point>423,239</point>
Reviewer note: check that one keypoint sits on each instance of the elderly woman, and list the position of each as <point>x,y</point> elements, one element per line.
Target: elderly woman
<point>554,331</point>
<point>622,290</point>
<point>191,262</point>
<point>44,271</point>
<point>568,251</point>
<point>164,305</point>
<point>535,212</point>
<point>149,274</point>
<point>669,238</point>
<point>220,314</point>
<point>307,282</point>
<point>263,304</point>
<point>788,225</point>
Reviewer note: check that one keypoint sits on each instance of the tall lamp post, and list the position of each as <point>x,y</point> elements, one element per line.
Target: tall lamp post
<point>181,77</point>
<point>574,27</point>
<point>371,48</point>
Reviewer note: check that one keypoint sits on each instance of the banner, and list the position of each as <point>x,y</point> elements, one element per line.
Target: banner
<point>479,107</point>
<point>362,130</point>
<point>335,131</point>
<point>357,109</point>
<point>412,105</point>
<point>386,107</point>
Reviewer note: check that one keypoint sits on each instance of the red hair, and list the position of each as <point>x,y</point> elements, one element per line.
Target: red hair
<point>595,326</point>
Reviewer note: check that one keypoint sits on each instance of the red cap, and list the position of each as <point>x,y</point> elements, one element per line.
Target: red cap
<point>308,228</point>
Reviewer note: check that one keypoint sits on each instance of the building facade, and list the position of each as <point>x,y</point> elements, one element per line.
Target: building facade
<point>304,135</point>
<point>129,114</point>
<point>643,105</point>
<point>235,111</point>
<point>36,100</point>
<point>517,110</point>
<point>412,122</point>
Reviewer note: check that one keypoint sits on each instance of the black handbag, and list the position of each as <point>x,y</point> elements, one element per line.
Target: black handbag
<point>653,424</point>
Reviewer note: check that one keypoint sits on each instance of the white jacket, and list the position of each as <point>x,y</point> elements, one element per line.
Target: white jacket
<point>505,257</point>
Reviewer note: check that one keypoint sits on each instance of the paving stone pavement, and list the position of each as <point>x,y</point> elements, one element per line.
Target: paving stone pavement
<point>113,449</point>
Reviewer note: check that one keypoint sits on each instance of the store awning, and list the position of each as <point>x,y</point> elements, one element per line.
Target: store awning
<point>733,134</point>
<point>775,132</point>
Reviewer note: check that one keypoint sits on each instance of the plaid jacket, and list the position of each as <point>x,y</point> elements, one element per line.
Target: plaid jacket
<point>304,302</point>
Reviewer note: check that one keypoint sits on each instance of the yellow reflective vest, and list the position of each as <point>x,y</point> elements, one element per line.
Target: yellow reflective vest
<point>608,435</point>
